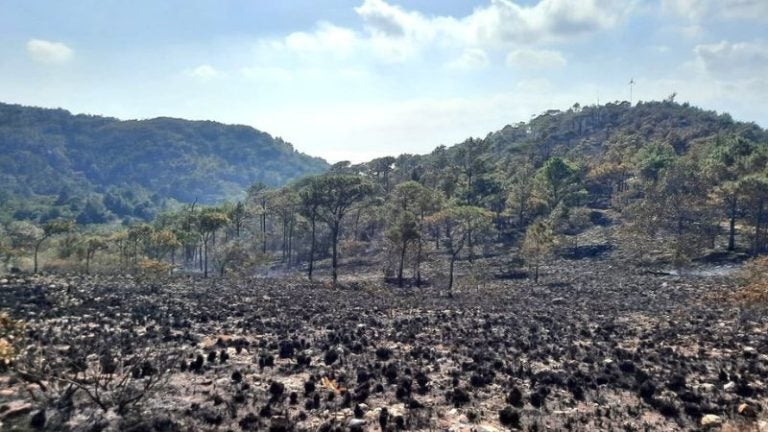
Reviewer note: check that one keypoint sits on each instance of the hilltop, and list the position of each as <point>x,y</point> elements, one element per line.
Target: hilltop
<point>56,164</point>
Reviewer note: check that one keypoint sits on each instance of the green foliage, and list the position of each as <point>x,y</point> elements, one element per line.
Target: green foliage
<point>558,181</point>
<point>537,245</point>
<point>460,226</point>
<point>337,193</point>
<point>105,167</point>
<point>653,159</point>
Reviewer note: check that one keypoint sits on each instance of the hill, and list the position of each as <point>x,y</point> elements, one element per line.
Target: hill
<point>56,164</point>
<point>586,134</point>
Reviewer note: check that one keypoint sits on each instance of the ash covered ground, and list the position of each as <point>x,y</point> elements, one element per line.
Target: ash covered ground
<point>597,345</point>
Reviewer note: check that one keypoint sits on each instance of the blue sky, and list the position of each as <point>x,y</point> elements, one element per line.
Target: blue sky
<point>353,80</point>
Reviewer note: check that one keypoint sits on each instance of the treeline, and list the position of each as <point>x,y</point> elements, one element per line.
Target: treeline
<point>95,169</point>
<point>685,180</point>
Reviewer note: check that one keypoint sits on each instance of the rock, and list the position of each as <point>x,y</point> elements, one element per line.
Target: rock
<point>37,421</point>
<point>747,410</point>
<point>558,301</point>
<point>711,421</point>
<point>356,423</point>
<point>731,386</point>
<point>15,409</point>
<point>3,281</point>
<point>707,387</point>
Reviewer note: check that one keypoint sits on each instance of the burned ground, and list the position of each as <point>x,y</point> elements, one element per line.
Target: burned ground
<point>597,345</point>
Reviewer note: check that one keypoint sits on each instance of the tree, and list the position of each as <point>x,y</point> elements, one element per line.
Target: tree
<point>653,159</point>
<point>520,193</point>
<point>230,254</point>
<point>284,205</point>
<point>537,246</point>
<point>91,245</point>
<point>729,194</point>
<point>338,192</point>
<point>258,195</point>
<point>139,237</point>
<point>211,220</point>
<point>755,191</point>
<point>559,180</point>
<point>6,250</point>
<point>161,242</point>
<point>727,164</point>
<point>409,205</point>
<point>471,159</point>
<point>94,212</point>
<point>382,168</point>
<point>676,204</point>
<point>23,234</point>
<point>457,223</point>
<point>51,229</point>
<point>311,198</point>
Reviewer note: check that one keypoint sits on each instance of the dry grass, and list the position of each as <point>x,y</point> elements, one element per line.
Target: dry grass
<point>754,291</point>
<point>752,426</point>
<point>11,333</point>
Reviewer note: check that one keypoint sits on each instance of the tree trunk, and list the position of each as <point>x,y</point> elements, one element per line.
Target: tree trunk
<point>290,243</point>
<point>758,227</point>
<point>417,263</point>
<point>357,223</point>
<point>732,232</point>
<point>37,249</point>
<point>403,249</point>
<point>450,275</point>
<point>205,251</point>
<point>285,240</point>
<point>471,246</point>
<point>334,258</point>
<point>311,251</point>
<point>264,227</point>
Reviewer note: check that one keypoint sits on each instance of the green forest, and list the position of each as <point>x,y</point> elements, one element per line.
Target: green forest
<point>679,181</point>
<point>95,170</point>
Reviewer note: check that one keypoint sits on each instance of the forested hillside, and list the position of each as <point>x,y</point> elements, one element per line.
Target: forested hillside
<point>674,180</point>
<point>54,164</point>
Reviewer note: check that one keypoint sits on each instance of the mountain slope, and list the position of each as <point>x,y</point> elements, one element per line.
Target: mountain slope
<point>589,135</point>
<point>134,166</point>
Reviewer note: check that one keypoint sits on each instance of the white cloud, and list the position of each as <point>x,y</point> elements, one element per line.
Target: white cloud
<point>693,10</point>
<point>747,9</point>
<point>391,34</point>
<point>535,59</point>
<point>470,59</point>
<point>204,72</point>
<point>500,22</point>
<point>44,51</point>
<point>394,34</point>
<point>326,39</point>
<point>698,10</point>
<point>734,60</point>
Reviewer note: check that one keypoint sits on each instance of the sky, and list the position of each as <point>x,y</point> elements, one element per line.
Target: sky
<point>359,79</point>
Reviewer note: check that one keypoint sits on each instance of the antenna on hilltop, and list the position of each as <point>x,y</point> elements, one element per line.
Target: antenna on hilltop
<point>631,86</point>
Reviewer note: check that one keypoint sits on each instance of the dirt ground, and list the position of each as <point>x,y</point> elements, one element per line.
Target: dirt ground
<point>596,345</point>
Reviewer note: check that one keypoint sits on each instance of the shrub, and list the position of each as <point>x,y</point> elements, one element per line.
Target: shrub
<point>11,335</point>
